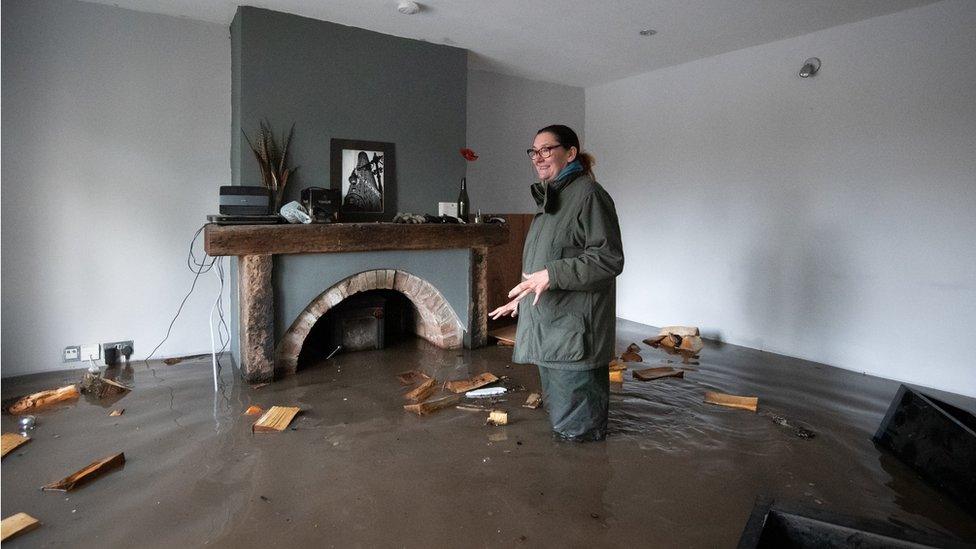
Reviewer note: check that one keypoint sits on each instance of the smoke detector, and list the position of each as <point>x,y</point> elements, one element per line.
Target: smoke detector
<point>408,8</point>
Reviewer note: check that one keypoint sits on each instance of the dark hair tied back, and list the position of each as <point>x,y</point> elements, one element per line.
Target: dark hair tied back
<point>568,138</point>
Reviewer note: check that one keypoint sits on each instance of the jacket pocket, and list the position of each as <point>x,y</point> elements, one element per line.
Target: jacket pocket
<point>563,339</point>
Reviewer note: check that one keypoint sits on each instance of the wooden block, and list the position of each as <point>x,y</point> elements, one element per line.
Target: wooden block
<point>423,391</point>
<point>87,473</point>
<point>659,372</point>
<point>633,348</point>
<point>117,412</point>
<point>432,406</point>
<point>11,441</point>
<point>497,418</point>
<point>671,341</point>
<point>631,357</point>
<point>616,376</point>
<point>692,344</point>
<point>44,398</point>
<point>732,401</point>
<point>504,335</point>
<point>533,402</point>
<point>465,385</point>
<point>276,418</point>
<point>411,377</point>
<point>654,341</point>
<point>679,330</point>
<point>253,410</point>
<point>14,525</point>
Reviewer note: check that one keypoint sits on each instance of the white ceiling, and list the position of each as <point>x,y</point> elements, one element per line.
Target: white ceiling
<point>574,42</point>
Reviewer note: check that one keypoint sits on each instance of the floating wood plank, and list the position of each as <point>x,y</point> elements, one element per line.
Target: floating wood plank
<point>87,473</point>
<point>692,344</point>
<point>631,357</point>
<point>505,335</point>
<point>423,391</point>
<point>432,406</point>
<point>18,524</point>
<point>654,341</point>
<point>633,348</point>
<point>411,377</point>
<point>497,418</point>
<point>732,401</point>
<point>679,330</point>
<point>533,402</point>
<point>253,410</point>
<point>44,398</point>
<point>617,364</point>
<point>650,374</point>
<point>616,376</point>
<point>465,385</point>
<point>473,408</point>
<point>117,412</point>
<point>11,441</point>
<point>276,418</point>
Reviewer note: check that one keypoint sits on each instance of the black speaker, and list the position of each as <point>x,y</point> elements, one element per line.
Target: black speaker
<point>241,200</point>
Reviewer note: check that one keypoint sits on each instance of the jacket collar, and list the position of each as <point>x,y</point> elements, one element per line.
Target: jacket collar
<point>546,194</point>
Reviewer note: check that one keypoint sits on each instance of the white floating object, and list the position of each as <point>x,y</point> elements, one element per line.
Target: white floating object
<point>485,392</point>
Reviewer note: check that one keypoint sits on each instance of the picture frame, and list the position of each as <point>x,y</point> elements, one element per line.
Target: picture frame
<point>364,173</point>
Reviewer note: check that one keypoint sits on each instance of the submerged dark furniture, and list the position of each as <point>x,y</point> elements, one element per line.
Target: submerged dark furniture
<point>936,439</point>
<point>775,525</point>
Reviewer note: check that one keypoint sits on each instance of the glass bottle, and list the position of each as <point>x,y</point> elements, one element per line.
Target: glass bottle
<point>463,204</point>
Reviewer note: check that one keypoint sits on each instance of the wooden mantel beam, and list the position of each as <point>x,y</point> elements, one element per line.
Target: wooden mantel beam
<point>347,237</point>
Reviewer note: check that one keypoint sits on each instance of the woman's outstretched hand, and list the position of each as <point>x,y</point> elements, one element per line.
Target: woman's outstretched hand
<point>508,309</point>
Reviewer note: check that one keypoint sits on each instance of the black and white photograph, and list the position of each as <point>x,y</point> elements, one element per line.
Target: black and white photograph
<point>363,172</point>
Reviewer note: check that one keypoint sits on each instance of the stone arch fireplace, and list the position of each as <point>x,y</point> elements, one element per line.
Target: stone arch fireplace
<point>436,320</point>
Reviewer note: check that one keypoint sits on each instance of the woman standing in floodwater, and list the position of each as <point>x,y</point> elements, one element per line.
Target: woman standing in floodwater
<point>566,303</point>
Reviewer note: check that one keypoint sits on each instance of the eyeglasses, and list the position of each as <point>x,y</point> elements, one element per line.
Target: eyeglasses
<point>544,152</point>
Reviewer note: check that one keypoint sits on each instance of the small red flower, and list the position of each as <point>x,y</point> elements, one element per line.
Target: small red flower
<point>469,155</point>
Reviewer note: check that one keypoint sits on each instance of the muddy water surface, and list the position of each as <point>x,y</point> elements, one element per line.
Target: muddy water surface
<point>357,471</point>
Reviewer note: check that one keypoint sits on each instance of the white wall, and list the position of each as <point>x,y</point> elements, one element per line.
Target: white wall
<point>504,112</point>
<point>116,136</point>
<point>831,218</point>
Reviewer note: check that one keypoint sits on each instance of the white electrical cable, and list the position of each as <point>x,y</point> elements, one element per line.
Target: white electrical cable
<point>213,342</point>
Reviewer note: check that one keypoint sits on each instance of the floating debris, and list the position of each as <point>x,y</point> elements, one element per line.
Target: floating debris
<point>411,377</point>
<point>463,386</point>
<point>276,418</point>
<point>117,412</point>
<point>497,418</point>
<point>801,432</point>
<point>10,442</point>
<point>473,407</point>
<point>44,398</point>
<point>99,387</point>
<point>631,357</point>
<point>505,336</point>
<point>172,361</point>
<point>633,348</point>
<point>732,401</point>
<point>616,376</point>
<point>533,402</point>
<point>660,372</point>
<point>486,392</point>
<point>423,391</point>
<point>253,410</point>
<point>617,364</point>
<point>432,406</point>
<point>87,473</point>
<point>18,524</point>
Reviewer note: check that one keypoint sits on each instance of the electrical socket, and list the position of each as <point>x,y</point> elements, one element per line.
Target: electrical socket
<point>120,345</point>
<point>72,353</point>
<point>93,350</point>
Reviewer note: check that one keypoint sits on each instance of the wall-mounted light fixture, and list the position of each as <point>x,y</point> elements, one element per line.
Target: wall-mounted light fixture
<point>810,67</point>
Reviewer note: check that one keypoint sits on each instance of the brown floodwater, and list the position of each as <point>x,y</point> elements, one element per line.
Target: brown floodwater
<point>356,470</point>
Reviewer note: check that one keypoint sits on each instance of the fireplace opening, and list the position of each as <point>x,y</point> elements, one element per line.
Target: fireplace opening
<point>365,321</point>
